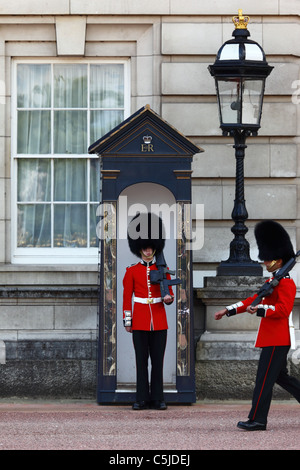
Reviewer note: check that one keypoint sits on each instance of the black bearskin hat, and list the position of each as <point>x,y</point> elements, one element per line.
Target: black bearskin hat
<point>146,230</point>
<point>273,241</point>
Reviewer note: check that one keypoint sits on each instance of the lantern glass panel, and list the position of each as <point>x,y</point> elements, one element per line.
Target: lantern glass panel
<point>240,100</point>
<point>252,101</point>
<point>229,100</point>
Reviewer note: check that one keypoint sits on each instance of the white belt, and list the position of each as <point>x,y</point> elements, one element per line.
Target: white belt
<point>146,300</point>
<point>292,332</point>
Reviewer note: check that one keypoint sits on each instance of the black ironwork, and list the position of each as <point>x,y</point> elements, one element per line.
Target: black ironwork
<point>239,261</point>
<point>235,65</point>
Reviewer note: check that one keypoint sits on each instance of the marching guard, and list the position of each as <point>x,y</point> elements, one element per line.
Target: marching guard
<point>146,320</point>
<point>275,249</point>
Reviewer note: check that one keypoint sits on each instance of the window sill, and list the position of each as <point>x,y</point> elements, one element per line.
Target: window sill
<point>48,275</point>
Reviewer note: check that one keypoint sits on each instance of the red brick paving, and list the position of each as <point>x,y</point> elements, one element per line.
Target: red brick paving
<point>84,425</point>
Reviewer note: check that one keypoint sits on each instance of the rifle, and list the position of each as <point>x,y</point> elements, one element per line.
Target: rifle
<point>268,287</point>
<point>160,276</point>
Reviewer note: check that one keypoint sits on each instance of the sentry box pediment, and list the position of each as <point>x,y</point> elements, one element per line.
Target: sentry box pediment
<point>144,133</point>
<point>146,148</point>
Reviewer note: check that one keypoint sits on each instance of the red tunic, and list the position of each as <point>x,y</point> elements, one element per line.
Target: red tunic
<point>145,316</point>
<point>275,311</point>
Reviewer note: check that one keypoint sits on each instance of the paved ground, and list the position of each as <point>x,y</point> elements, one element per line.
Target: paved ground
<point>84,425</point>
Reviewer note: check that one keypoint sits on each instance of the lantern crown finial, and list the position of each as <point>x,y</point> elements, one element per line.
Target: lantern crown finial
<point>240,21</point>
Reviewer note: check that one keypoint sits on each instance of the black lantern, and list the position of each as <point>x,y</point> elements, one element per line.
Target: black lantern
<point>240,71</point>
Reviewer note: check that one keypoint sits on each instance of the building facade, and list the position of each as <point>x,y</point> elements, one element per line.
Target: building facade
<point>70,72</point>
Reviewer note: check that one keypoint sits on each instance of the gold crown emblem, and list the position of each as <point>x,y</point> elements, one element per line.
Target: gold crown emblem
<point>240,21</point>
<point>147,139</point>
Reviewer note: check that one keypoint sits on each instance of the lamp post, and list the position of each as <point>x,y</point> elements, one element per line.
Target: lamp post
<point>240,71</point>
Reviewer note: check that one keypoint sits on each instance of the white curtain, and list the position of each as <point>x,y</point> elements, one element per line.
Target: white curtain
<point>34,101</point>
<point>70,220</point>
<point>34,209</point>
<point>70,104</point>
<point>106,98</point>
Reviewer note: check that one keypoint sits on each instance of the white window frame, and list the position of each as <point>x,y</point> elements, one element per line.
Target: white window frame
<point>52,256</point>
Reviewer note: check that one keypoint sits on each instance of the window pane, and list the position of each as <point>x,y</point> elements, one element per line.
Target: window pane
<point>70,132</point>
<point>34,86</point>
<point>95,180</point>
<point>34,132</point>
<point>107,86</point>
<point>34,180</point>
<point>70,225</point>
<point>70,180</point>
<point>94,241</point>
<point>102,122</point>
<point>70,86</point>
<point>34,225</point>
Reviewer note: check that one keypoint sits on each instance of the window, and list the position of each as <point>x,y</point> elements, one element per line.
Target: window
<point>59,109</point>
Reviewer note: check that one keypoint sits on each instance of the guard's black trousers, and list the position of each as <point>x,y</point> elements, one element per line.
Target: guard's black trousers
<point>153,344</point>
<point>272,368</point>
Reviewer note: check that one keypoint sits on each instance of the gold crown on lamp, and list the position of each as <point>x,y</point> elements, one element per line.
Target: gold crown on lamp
<point>147,139</point>
<point>241,22</point>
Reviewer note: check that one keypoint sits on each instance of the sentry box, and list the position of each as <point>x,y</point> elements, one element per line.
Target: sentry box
<point>145,165</point>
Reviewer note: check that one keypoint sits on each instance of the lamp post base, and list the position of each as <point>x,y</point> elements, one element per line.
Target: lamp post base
<point>251,268</point>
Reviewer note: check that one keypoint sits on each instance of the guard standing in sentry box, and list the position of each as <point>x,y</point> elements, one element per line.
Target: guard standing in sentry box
<point>276,250</point>
<point>147,320</point>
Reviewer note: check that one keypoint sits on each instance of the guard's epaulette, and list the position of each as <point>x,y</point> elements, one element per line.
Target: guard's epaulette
<point>134,264</point>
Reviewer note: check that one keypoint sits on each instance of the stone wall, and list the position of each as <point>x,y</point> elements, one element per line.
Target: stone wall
<point>47,340</point>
